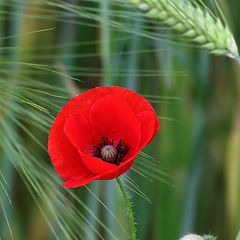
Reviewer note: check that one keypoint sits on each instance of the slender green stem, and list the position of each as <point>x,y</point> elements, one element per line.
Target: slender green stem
<point>130,211</point>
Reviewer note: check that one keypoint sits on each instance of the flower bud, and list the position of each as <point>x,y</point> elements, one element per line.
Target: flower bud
<point>191,237</point>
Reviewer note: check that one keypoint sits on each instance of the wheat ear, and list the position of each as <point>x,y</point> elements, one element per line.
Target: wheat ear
<point>193,22</point>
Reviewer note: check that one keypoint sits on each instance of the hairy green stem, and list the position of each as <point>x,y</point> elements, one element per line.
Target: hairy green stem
<point>130,211</point>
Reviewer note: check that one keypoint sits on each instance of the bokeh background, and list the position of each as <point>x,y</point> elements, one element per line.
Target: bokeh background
<point>186,180</point>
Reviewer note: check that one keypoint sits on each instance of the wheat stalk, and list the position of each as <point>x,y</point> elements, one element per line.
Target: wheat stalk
<point>193,22</point>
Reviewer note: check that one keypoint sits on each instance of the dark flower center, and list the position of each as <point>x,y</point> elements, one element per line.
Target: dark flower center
<point>110,151</point>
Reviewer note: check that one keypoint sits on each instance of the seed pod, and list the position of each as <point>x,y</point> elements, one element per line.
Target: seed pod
<point>109,153</point>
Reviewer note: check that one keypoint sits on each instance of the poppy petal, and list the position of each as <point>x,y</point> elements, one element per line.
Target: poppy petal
<point>123,167</point>
<point>64,156</point>
<point>97,165</point>
<point>147,121</point>
<point>136,102</point>
<point>79,132</point>
<point>111,115</point>
<point>72,183</point>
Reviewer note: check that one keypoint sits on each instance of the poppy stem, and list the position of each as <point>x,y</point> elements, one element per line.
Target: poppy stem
<point>129,206</point>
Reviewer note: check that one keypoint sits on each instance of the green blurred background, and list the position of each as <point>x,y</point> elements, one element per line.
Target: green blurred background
<point>187,179</point>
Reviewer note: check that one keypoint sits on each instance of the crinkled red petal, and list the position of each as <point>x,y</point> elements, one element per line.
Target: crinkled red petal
<point>97,165</point>
<point>122,168</point>
<point>147,120</point>
<point>80,133</point>
<point>72,183</point>
<point>64,155</point>
<point>136,102</point>
<point>112,115</point>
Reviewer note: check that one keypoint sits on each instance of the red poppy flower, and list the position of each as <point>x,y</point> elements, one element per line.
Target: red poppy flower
<point>99,133</point>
